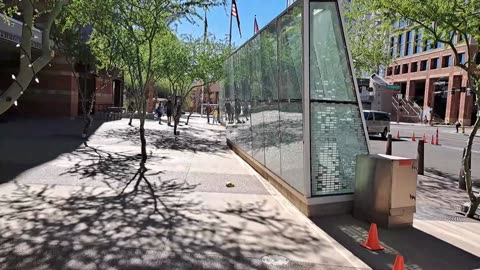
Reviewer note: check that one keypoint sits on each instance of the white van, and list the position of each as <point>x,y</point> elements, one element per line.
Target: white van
<point>377,122</point>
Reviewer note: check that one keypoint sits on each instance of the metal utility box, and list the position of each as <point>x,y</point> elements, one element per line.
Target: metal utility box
<point>385,190</point>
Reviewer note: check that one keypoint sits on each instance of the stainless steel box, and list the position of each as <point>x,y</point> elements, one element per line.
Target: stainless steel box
<point>385,190</point>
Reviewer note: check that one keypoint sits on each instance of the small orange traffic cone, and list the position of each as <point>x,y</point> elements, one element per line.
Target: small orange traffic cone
<point>372,242</point>
<point>399,265</point>
<point>433,141</point>
<point>398,135</point>
<point>424,138</point>
<point>413,137</point>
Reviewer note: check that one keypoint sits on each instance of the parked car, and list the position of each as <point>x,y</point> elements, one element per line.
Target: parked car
<point>377,122</point>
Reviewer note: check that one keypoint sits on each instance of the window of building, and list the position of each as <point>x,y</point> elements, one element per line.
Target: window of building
<point>434,63</point>
<point>462,58</point>
<point>414,67</point>
<point>389,71</point>
<point>410,36</point>
<point>446,61</point>
<point>392,46</point>
<point>396,71</point>
<point>404,68</point>
<point>428,45</point>
<point>453,37</point>
<point>418,42</point>
<point>424,65</point>
<point>437,45</point>
<point>395,24</point>
<point>401,45</point>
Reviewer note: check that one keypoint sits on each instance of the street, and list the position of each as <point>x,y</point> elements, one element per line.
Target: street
<point>443,159</point>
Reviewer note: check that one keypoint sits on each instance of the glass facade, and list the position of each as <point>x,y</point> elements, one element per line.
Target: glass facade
<point>266,92</point>
<point>337,133</point>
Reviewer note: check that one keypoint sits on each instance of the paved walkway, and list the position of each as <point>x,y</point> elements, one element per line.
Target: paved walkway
<point>60,206</point>
<point>440,238</point>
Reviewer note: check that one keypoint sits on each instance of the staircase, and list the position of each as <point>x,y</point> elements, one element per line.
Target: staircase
<point>411,111</point>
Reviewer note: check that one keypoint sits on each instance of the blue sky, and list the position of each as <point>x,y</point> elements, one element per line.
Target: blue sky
<point>219,19</point>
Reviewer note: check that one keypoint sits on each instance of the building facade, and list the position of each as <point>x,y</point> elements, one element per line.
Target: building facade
<point>57,92</point>
<point>292,108</point>
<point>429,79</point>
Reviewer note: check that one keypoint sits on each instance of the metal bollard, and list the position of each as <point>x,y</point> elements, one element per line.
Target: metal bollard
<point>421,156</point>
<point>388,151</point>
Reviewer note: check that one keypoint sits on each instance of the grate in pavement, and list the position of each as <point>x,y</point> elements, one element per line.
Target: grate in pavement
<point>276,260</point>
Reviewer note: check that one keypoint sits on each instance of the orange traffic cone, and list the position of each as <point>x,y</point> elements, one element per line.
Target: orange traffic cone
<point>433,141</point>
<point>399,265</point>
<point>398,135</point>
<point>413,137</point>
<point>424,138</point>
<point>372,242</point>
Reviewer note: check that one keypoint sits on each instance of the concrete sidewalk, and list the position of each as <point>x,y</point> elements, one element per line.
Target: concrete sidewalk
<point>60,206</point>
<point>440,238</point>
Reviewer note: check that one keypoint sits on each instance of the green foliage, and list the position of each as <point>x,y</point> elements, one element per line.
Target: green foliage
<point>439,20</point>
<point>368,37</point>
<point>189,62</point>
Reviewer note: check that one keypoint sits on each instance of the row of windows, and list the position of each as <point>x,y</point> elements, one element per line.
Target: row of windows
<point>423,65</point>
<point>410,43</point>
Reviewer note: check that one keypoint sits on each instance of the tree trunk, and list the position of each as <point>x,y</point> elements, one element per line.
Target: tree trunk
<point>143,141</point>
<point>474,201</point>
<point>473,208</point>
<point>29,68</point>
<point>188,117</point>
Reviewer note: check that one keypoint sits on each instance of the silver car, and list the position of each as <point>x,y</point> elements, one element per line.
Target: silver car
<point>377,122</point>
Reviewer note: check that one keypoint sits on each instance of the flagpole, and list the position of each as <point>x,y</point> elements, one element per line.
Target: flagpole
<point>230,36</point>
<point>206,28</point>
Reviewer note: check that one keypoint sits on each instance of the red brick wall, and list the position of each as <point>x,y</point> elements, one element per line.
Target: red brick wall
<point>458,106</point>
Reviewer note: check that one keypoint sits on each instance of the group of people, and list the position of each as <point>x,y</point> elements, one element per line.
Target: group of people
<point>162,109</point>
<point>213,112</point>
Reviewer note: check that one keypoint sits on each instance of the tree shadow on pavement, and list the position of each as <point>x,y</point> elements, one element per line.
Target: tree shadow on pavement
<point>440,199</point>
<point>32,143</point>
<point>195,141</point>
<point>420,250</point>
<point>111,168</point>
<point>97,229</point>
<point>452,177</point>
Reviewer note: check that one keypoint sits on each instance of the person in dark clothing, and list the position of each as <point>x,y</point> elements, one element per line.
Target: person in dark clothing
<point>458,125</point>
<point>169,108</point>
<point>209,111</point>
<point>159,112</point>
<point>229,109</point>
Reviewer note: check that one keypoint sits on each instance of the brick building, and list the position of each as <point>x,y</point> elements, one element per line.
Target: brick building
<point>210,95</point>
<point>56,94</point>
<point>428,78</point>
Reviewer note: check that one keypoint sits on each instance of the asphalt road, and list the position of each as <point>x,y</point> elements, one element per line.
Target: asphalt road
<point>443,159</point>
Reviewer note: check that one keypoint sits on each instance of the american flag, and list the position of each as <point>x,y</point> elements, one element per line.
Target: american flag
<point>234,9</point>
<point>235,14</point>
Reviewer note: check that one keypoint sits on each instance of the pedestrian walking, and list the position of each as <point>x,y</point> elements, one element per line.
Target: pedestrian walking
<point>215,115</point>
<point>458,124</point>
<point>159,112</point>
<point>169,109</point>
<point>209,111</point>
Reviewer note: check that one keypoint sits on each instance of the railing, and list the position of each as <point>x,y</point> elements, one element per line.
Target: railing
<point>410,109</point>
<point>108,112</point>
